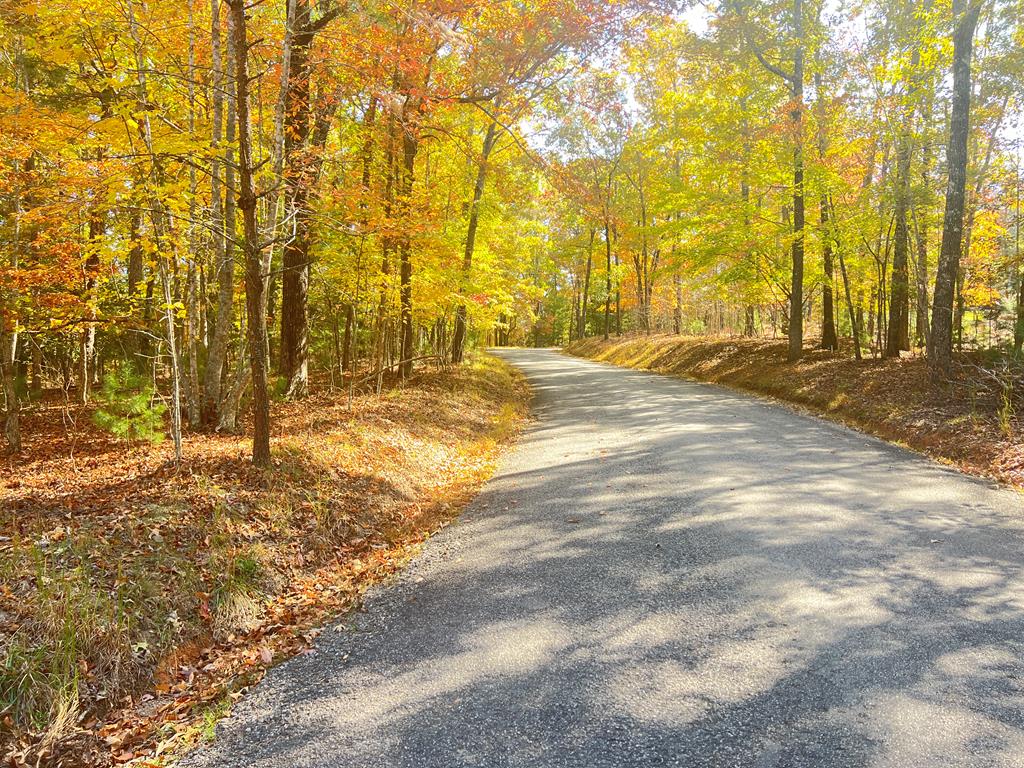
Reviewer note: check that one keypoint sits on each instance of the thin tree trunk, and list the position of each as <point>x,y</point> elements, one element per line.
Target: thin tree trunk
<point>971,208</point>
<point>8,349</point>
<point>829,338</point>
<point>387,247</point>
<point>898,336</point>
<point>1018,328</point>
<point>618,292</point>
<point>581,325</point>
<point>159,230</point>
<point>255,267</point>
<point>921,324</point>
<point>227,418</point>
<point>9,341</point>
<point>677,310</point>
<point>608,277</point>
<point>346,354</point>
<point>796,294</point>
<point>192,337</point>
<point>410,146</point>
<point>459,336</point>
<point>87,356</point>
<point>795,81</point>
<point>856,315</point>
<point>223,226</point>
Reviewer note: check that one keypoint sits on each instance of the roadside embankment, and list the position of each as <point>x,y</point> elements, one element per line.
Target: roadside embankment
<point>969,421</point>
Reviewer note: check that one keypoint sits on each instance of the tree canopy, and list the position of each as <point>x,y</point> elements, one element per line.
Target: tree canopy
<point>238,199</point>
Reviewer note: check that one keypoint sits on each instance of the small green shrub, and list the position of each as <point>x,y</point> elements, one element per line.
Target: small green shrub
<point>129,410</point>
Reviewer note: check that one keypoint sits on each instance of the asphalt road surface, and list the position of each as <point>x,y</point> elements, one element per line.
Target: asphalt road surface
<point>665,573</point>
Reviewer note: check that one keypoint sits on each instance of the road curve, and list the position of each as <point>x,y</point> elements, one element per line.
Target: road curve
<point>665,573</point>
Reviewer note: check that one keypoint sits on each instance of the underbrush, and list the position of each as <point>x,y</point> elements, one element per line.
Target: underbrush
<point>971,420</point>
<point>138,598</point>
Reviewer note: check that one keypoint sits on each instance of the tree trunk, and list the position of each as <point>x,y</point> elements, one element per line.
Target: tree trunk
<point>940,347</point>
<point>193,315</point>
<point>12,403</point>
<point>227,418</point>
<point>9,343</point>
<point>160,228</point>
<point>677,310</point>
<point>255,267</point>
<point>581,325</point>
<point>608,277</point>
<point>300,175</point>
<point>1018,328</point>
<point>346,353</point>
<point>618,296</point>
<point>87,355</point>
<point>829,338</point>
<point>410,145</point>
<point>459,335</point>
<point>796,294</point>
<point>898,336</point>
<point>749,326</point>
<point>856,318</point>
<point>921,324</point>
<point>222,215</point>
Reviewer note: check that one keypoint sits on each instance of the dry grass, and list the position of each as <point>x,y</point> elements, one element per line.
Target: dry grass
<point>137,597</point>
<point>966,421</point>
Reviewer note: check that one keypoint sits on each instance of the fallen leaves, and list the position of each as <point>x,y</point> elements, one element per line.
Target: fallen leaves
<point>892,398</point>
<point>150,552</point>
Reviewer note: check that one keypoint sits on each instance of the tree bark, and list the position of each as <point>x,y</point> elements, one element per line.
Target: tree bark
<point>940,347</point>
<point>459,335</point>
<point>9,342</point>
<point>1018,328</point>
<point>160,228</point>
<point>677,310</point>
<point>87,356</point>
<point>921,324</point>
<point>898,335</point>
<point>608,277</point>
<point>581,325</point>
<point>410,145</point>
<point>796,294</point>
<point>222,215</point>
<point>829,338</point>
<point>192,336</point>
<point>255,266</point>
<point>302,166</point>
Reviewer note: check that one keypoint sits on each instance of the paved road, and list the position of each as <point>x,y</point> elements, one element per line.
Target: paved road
<point>670,574</point>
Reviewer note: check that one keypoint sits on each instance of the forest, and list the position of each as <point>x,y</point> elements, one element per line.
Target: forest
<point>229,200</point>
<point>236,220</point>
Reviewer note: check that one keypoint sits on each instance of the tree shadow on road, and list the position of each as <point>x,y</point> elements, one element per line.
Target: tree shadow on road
<point>705,580</point>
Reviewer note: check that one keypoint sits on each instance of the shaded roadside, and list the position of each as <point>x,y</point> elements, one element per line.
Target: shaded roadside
<point>971,422</point>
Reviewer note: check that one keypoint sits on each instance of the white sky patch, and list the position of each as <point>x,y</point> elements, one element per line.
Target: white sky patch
<point>697,18</point>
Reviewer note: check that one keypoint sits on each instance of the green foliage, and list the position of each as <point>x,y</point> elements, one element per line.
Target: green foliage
<point>129,410</point>
<point>213,714</point>
<point>35,681</point>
